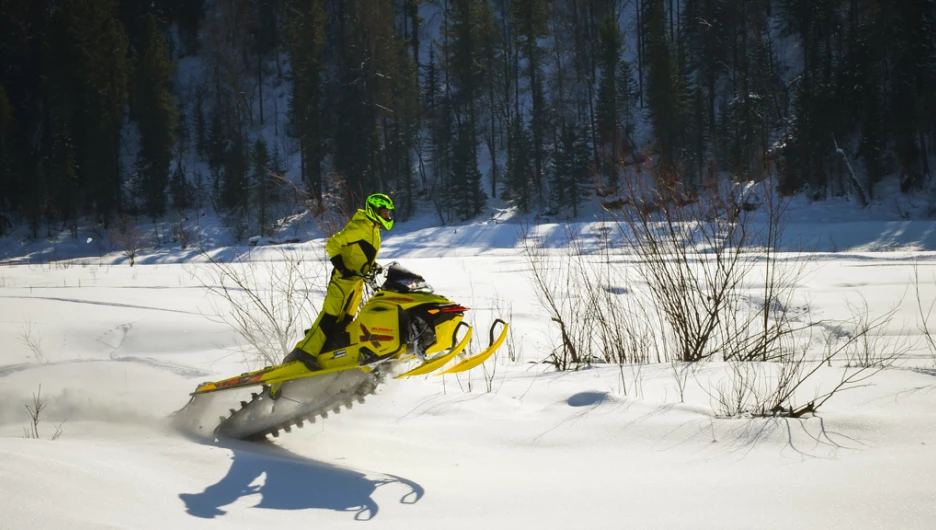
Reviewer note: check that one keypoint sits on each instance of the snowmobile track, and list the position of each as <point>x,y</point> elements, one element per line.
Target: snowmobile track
<point>239,423</point>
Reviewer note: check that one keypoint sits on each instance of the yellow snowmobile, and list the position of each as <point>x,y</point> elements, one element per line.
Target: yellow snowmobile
<point>403,321</point>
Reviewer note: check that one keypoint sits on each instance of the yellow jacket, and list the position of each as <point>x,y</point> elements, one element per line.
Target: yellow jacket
<point>357,243</point>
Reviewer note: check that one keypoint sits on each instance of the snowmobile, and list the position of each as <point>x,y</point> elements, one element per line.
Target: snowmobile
<point>401,322</point>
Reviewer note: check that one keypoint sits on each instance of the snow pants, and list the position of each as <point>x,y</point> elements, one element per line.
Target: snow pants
<point>342,299</point>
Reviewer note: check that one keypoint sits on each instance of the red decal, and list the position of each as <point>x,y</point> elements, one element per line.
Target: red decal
<point>367,336</point>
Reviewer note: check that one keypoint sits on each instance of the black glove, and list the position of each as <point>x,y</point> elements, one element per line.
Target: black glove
<point>340,267</point>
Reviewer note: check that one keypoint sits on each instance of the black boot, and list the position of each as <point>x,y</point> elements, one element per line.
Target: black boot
<point>310,361</point>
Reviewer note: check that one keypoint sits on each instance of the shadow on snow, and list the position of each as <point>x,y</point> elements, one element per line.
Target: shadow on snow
<point>287,481</point>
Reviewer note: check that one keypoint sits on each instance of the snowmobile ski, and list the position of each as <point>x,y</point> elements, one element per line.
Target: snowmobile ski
<point>476,360</point>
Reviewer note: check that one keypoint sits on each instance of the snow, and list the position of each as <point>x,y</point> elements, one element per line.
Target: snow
<point>604,447</point>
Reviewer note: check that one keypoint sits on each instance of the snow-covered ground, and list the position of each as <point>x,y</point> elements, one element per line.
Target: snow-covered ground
<point>605,447</point>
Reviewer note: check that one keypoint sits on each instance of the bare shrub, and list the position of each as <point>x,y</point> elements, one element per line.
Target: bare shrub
<point>625,326</point>
<point>681,372</point>
<point>636,387</point>
<point>733,395</point>
<point>506,309</point>
<point>332,210</point>
<point>35,415</point>
<point>924,313</point>
<point>587,296</point>
<point>33,341</point>
<point>182,234</point>
<point>556,281</point>
<point>696,249</point>
<point>128,236</point>
<point>662,226</point>
<point>866,350</point>
<point>758,329</point>
<point>489,373</point>
<point>775,388</point>
<point>267,301</point>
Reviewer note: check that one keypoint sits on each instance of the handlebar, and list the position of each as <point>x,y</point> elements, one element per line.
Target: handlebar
<point>370,277</point>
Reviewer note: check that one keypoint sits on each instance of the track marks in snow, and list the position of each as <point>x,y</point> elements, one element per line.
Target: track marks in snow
<point>184,371</point>
<point>113,339</point>
<point>94,302</point>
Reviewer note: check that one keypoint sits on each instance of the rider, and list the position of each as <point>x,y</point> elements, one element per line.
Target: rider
<point>353,252</point>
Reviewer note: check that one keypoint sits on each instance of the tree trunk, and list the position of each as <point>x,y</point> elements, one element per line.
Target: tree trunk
<point>923,153</point>
<point>492,141</point>
<point>260,84</point>
<point>640,51</point>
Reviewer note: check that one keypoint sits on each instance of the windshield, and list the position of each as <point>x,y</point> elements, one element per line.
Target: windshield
<point>401,280</point>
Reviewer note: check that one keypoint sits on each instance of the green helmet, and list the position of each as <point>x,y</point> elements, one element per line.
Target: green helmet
<point>379,208</point>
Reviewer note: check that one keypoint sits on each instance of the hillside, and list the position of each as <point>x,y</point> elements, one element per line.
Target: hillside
<point>256,111</point>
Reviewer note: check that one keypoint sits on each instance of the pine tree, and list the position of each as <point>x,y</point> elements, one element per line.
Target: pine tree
<point>749,116</point>
<point>216,143</point>
<point>491,50</point>
<point>439,122</point>
<point>860,84</point>
<point>465,57</point>
<point>808,146</point>
<point>411,14</point>
<point>465,191</point>
<point>181,192</point>
<point>445,135</point>
<point>582,185</point>
<point>430,91</point>
<point>563,168</point>
<point>662,90</point>
<point>23,28</point>
<point>235,187</point>
<point>519,171</point>
<point>261,184</point>
<point>200,192</point>
<point>64,179</point>
<point>627,100</point>
<point>705,37</point>
<point>133,13</point>
<point>530,18</point>
<point>403,130</point>
<point>914,105</point>
<point>607,114</point>
<point>155,115</point>
<point>368,56</point>
<point>86,79</point>
<point>190,16</point>
<point>572,182</point>
<point>7,171</point>
<point>305,31</point>
<point>264,33</point>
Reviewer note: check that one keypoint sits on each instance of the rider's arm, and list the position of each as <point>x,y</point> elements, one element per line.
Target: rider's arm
<point>337,241</point>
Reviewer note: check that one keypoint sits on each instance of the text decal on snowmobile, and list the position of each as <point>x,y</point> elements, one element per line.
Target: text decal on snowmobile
<point>367,336</point>
<point>239,380</point>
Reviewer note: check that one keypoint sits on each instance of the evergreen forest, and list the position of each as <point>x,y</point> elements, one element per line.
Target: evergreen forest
<point>542,104</point>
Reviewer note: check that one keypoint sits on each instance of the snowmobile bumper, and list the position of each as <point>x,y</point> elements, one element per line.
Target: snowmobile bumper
<point>440,360</point>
